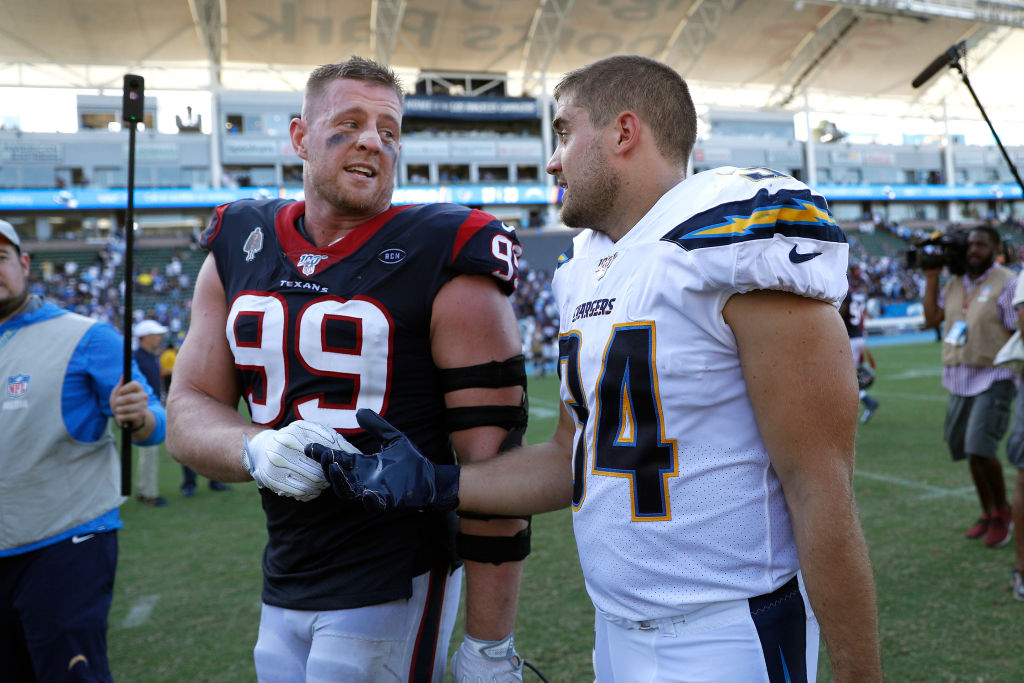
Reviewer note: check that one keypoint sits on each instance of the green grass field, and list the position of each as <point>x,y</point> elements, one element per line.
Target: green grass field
<point>186,601</point>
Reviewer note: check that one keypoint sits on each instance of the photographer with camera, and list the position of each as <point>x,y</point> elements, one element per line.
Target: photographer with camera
<point>976,307</point>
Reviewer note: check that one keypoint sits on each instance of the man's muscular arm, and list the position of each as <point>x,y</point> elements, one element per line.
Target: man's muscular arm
<point>473,323</point>
<point>204,427</point>
<point>800,377</point>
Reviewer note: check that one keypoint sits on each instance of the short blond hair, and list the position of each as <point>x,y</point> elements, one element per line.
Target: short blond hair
<point>355,68</point>
<point>652,90</point>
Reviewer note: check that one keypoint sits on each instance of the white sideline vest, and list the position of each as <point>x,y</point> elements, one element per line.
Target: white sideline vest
<point>50,481</point>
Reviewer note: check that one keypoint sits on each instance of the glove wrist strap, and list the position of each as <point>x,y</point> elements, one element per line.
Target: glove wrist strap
<point>446,478</point>
<point>493,649</point>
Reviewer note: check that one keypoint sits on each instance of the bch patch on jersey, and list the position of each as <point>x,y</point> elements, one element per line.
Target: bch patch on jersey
<point>675,503</point>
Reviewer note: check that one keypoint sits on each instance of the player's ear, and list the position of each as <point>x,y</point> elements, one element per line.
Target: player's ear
<point>297,132</point>
<point>627,131</point>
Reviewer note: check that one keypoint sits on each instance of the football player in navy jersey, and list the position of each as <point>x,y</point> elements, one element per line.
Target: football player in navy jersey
<point>709,406</point>
<point>311,310</point>
<point>854,311</point>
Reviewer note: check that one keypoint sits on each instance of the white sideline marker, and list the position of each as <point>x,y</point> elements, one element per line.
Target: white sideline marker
<point>928,490</point>
<point>543,409</point>
<point>140,611</point>
<point>936,398</point>
<point>912,374</point>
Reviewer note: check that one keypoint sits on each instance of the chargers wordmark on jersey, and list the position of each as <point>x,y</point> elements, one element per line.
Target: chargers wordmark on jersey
<point>792,213</point>
<point>17,386</point>
<point>589,309</point>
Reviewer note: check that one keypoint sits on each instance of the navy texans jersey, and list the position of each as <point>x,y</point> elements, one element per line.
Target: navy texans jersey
<point>317,334</point>
<point>854,309</point>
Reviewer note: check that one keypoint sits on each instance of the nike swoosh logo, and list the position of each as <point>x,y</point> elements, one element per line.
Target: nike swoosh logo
<point>796,257</point>
<point>81,539</point>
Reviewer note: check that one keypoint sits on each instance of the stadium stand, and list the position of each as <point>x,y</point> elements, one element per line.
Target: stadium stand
<point>478,139</point>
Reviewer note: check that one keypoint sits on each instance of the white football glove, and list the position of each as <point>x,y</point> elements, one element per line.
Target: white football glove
<point>487,661</point>
<point>275,459</point>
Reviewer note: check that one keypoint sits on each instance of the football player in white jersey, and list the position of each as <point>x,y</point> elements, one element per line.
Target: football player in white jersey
<point>709,406</point>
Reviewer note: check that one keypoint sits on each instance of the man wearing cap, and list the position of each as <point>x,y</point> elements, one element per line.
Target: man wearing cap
<point>60,489</point>
<point>150,337</point>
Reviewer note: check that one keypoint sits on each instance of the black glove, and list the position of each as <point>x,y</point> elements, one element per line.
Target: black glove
<point>396,477</point>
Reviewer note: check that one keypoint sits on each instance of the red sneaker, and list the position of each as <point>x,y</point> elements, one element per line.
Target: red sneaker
<point>980,527</point>
<point>1000,531</point>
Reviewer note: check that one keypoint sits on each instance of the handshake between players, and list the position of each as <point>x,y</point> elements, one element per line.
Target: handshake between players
<point>396,477</point>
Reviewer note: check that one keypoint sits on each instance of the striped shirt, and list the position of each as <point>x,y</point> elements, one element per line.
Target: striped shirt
<point>971,380</point>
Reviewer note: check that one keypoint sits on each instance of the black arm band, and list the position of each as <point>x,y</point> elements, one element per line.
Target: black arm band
<point>463,514</point>
<point>503,373</point>
<point>493,375</point>
<point>508,417</point>
<point>493,549</point>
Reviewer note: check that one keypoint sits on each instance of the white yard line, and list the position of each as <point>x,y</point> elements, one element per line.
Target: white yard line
<point>140,611</point>
<point>543,409</point>
<point>927,490</point>
<point>913,374</point>
<point>937,398</point>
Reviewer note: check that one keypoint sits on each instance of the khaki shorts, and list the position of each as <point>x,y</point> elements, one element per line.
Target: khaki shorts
<point>976,424</point>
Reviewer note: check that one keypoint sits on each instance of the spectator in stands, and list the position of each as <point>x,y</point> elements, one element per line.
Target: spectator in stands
<point>174,267</point>
<point>59,493</point>
<point>150,343</point>
<point>144,282</point>
<point>978,318</point>
<point>167,358</point>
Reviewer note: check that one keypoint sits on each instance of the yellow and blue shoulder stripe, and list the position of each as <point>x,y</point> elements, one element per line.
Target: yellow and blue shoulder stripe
<point>565,256</point>
<point>794,213</point>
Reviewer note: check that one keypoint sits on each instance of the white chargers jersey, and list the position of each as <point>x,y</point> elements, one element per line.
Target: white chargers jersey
<point>675,501</point>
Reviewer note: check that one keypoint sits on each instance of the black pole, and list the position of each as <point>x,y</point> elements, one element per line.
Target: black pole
<point>131,114</point>
<point>999,143</point>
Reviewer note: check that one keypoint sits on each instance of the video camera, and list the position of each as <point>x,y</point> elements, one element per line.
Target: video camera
<point>940,249</point>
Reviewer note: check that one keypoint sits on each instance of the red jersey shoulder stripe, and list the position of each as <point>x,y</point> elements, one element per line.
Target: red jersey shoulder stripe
<point>474,222</point>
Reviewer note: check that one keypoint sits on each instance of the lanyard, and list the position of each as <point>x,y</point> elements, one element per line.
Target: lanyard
<point>969,296</point>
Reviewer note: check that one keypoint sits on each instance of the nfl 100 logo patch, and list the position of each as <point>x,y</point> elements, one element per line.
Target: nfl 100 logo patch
<point>603,265</point>
<point>308,263</point>
<point>17,386</point>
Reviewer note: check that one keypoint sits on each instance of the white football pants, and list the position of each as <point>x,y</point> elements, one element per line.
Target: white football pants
<point>402,640</point>
<point>768,639</point>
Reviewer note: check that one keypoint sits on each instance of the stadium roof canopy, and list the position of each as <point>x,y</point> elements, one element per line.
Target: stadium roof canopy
<point>834,55</point>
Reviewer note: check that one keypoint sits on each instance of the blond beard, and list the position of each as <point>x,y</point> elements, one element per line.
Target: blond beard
<point>591,206</point>
<point>331,193</point>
